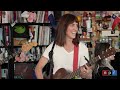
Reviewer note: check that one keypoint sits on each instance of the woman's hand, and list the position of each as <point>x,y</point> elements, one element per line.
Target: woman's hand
<point>86,72</point>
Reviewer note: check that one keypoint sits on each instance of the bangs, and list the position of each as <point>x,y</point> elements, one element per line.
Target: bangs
<point>72,20</point>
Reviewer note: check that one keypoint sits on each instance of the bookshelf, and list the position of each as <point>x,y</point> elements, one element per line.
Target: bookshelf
<point>41,26</point>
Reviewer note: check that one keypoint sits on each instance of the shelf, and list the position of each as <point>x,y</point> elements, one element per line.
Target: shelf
<point>33,46</point>
<point>117,50</point>
<point>21,62</point>
<point>10,46</point>
<point>85,39</point>
<point>108,33</point>
<point>21,46</point>
<point>4,24</point>
<point>5,46</point>
<point>42,45</point>
<point>99,19</point>
<point>42,24</point>
<point>28,62</point>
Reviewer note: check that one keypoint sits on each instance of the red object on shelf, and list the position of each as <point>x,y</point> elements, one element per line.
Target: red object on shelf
<point>115,23</point>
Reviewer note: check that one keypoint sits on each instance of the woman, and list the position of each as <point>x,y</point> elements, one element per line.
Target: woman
<point>102,64</point>
<point>66,38</point>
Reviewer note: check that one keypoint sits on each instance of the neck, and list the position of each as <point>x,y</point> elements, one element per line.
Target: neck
<point>69,46</point>
<point>68,42</point>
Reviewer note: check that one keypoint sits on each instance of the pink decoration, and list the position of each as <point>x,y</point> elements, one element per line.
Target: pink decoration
<point>32,17</point>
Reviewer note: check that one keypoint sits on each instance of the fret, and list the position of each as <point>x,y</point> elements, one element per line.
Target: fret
<point>73,74</point>
<point>92,62</point>
<point>78,72</point>
<point>97,58</point>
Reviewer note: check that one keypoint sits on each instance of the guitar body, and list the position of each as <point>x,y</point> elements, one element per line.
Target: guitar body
<point>60,74</point>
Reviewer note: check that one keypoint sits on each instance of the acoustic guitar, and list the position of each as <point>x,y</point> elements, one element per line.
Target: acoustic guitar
<point>63,74</point>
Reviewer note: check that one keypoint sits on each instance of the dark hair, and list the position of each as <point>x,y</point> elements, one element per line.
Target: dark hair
<point>100,47</point>
<point>63,23</point>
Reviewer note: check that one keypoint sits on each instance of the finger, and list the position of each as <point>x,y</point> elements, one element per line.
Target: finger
<point>82,69</point>
<point>91,67</point>
<point>86,67</point>
<point>89,76</point>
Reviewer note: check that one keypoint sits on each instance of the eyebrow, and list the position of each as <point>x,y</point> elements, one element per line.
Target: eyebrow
<point>75,23</point>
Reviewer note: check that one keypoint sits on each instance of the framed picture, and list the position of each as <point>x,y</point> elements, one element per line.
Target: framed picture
<point>20,31</point>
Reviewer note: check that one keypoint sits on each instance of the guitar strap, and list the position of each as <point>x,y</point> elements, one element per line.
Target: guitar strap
<point>75,58</point>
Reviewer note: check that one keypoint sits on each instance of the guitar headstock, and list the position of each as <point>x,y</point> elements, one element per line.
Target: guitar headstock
<point>26,47</point>
<point>107,53</point>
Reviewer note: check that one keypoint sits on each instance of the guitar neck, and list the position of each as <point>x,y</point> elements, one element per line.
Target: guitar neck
<point>77,72</point>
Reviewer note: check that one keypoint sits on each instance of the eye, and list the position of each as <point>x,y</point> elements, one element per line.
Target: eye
<point>72,24</point>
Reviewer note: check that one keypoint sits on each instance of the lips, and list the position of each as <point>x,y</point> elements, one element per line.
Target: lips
<point>74,33</point>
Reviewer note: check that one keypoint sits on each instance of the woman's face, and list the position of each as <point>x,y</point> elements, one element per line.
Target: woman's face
<point>72,30</point>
